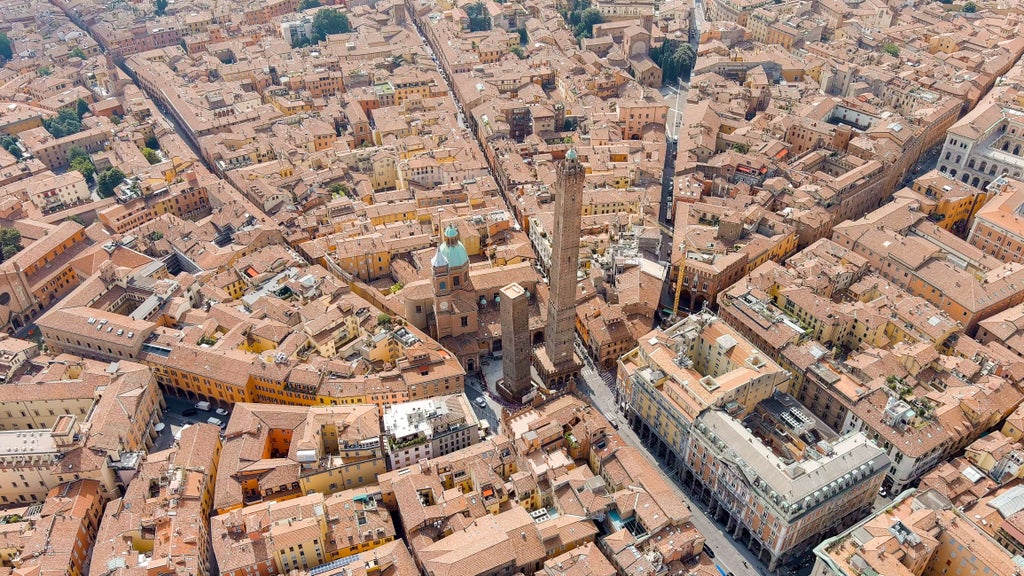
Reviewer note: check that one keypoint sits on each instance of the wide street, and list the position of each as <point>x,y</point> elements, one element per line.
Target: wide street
<point>731,556</point>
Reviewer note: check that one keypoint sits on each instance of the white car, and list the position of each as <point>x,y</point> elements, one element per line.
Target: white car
<point>159,427</point>
<point>221,412</point>
<point>214,421</point>
<point>480,401</point>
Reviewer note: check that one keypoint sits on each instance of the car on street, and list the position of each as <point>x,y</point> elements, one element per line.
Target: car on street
<point>709,552</point>
<point>189,412</point>
<point>221,412</point>
<point>159,427</point>
<point>214,421</point>
<point>480,401</point>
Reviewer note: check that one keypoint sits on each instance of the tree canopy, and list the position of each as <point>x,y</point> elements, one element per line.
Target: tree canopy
<point>65,123</point>
<point>5,47</point>
<point>330,21</point>
<point>10,242</point>
<point>10,144</point>
<point>970,8</point>
<point>151,156</point>
<point>77,152</point>
<point>307,4</point>
<point>479,20</point>
<point>77,53</point>
<point>581,17</point>
<point>80,161</point>
<point>108,180</point>
<point>675,63</point>
<point>160,6</point>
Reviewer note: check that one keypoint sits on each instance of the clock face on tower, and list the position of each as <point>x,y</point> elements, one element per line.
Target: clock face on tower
<point>443,306</point>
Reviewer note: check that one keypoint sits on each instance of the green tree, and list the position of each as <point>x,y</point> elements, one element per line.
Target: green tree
<point>81,108</point>
<point>153,143</point>
<point>76,219</point>
<point>65,123</point>
<point>970,8</point>
<point>160,7</point>
<point>77,53</point>
<point>155,235</point>
<point>9,143</point>
<point>116,119</point>
<point>891,49</point>
<point>44,71</point>
<point>80,161</point>
<point>108,180</point>
<point>518,51</point>
<point>675,63</point>
<point>307,4</point>
<point>338,189</point>
<point>10,241</point>
<point>151,156</point>
<point>5,47</point>
<point>77,152</point>
<point>330,21</point>
<point>479,19</point>
<point>383,319</point>
<point>86,167</point>
<point>587,19</point>
<point>685,58</point>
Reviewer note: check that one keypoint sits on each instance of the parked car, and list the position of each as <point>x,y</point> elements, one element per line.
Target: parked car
<point>214,421</point>
<point>480,401</point>
<point>204,406</point>
<point>189,412</point>
<point>221,412</point>
<point>710,552</point>
<point>159,427</point>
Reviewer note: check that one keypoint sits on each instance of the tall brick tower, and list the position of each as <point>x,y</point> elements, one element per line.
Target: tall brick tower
<point>515,343</point>
<point>557,362</point>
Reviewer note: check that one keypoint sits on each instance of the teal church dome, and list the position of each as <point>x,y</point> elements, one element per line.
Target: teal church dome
<point>451,252</point>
